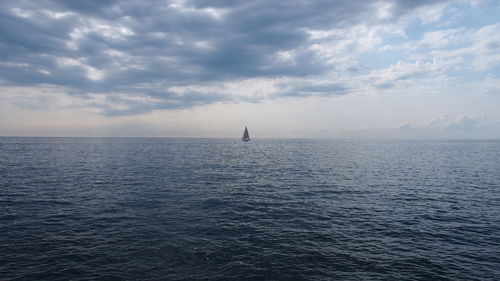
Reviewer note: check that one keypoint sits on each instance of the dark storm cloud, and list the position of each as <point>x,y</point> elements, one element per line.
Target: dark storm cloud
<point>147,47</point>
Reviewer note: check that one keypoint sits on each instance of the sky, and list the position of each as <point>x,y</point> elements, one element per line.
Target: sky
<point>286,69</point>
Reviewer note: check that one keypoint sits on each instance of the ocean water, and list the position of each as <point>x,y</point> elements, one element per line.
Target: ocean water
<point>269,209</point>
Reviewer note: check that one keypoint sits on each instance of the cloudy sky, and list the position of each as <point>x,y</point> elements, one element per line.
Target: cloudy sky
<point>200,68</point>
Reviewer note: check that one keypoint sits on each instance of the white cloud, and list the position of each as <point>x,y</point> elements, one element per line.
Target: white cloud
<point>408,73</point>
<point>459,126</point>
<point>491,85</point>
<point>428,15</point>
<point>479,49</point>
<point>384,10</point>
<point>442,38</point>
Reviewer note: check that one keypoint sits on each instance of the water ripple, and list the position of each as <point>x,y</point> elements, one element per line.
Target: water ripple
<point>208,209</point>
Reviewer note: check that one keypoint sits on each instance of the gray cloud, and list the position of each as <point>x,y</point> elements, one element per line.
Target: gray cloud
<point>383,86</point>
<point>147,47</point>
<point>335,89</point>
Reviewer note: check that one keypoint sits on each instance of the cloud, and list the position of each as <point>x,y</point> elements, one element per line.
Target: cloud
<point>471,49</point>
<point>447,126</point>
<point>405,73</point>
<point>459,123</point>
<point>491,85</point>
<point>441,38</point>
<point>144,49</point>
<point>325,89</point>
<point>443,127</point>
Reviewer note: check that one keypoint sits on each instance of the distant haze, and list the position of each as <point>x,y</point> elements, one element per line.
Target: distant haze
<point>334,69</point>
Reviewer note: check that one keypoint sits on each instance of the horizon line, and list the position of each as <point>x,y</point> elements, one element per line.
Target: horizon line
<point>263,138</point>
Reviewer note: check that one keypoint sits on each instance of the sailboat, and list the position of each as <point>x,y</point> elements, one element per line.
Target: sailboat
<point>245,137</point>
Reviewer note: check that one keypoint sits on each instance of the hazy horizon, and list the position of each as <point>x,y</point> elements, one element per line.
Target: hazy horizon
<point>347,139</point>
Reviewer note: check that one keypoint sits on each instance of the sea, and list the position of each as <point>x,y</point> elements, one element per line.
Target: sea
<point>268,209</point>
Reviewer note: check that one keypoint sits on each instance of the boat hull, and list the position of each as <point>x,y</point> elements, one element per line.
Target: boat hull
<point>248,139</point>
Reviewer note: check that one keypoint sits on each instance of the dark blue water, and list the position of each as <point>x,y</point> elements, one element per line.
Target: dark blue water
<point>213,209</point>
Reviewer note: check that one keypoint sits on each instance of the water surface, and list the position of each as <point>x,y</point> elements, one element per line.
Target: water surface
<point>219,209</point>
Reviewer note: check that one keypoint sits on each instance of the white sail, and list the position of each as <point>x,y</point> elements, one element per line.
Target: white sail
<point>246,136</point>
